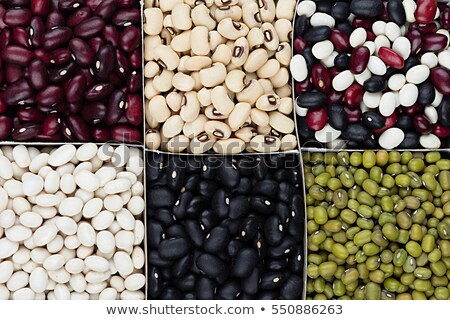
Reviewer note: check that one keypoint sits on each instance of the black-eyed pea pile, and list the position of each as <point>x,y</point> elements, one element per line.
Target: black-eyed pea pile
<point>71,223</point>
<point>217,76</point>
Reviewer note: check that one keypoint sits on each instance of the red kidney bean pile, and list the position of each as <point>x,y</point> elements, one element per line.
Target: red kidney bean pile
<point>224,228</point>
<point>70,70</point>
<point>372,73</point>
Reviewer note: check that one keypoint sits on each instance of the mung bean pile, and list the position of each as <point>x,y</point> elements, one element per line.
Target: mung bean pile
<point>378,225</point>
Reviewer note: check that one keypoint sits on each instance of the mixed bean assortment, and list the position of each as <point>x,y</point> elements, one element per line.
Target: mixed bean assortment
<point>372,74</point>
<point>70,70</point>
<point>71,223</point>
<point>224,228</point>
<point>378,225</point>
<point>217,75</point>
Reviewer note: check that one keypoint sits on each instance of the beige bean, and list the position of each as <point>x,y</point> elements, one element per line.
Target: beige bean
<point>153,21</point>
<point>284,92</point>
<point>264,130</point>
<point>255,38</point>
<point>169,30</point>
<point>239,115</point>
<point>229,146</point>
<point>214,75</point>
<point>201,17</point>
<point>202,143</point>
<point>269,69</point>
<point>231,67</point>
<point>281,78</point>
<point>232,12</point>
<point>153,139</point>
<point>267,86</point>
<point>151,69</point>
<point>181,66</point>
<point>284,54</point>
<point>285,9</point>
<point>190,108</point>
<point>215,40</point>
<point>251,15</point>
<point>197,63</point>
<point>268,102</point>
<point>267,9</point>
<point>163,81</point>
<point>177,144</point>
<point>204,97</point>
<point>198,84</point>
<point>183,82</point>
<point>194,3</point>
<point>271,40</point>
<point>225,3</point>
<point>199,41</point>
<point>256,60</point>
<point>196,127</point>
<point>221,100</point>
<point>262,143</point>
<point>246,134</point>
<point>149,90</point>
<point>157,109</point>
<point>259,117</point>
<point>251,93</point>
<point>168,5</point>
<point>288,142</point>
<point>213,114</point>
<point>174,100</point>
<point>235,80</point>
<point>181,42</point>
<point>167,57</point>
<point>167,35</point>
<point>232,29</point>
<point>283,28</point>
<point>240,52</point>
<point>181,16</point>
<point>217,129</point>
<point>286,105</point>
<point>222,54</point>
<point>281,122</point>
<point>172,127</point>
<point>150,44</point>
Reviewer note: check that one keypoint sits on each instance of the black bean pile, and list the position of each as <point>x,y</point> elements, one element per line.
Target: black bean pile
<point>225,228</point>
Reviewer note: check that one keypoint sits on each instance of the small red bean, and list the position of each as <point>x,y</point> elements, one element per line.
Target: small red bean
<point>75,89</point>
<point>365,23</point>
<point>125,133</point>
<point>26,132</point>
<point>51,124</point>
<point>78,17</point>
<point>21,37</point>
<point>440,131</point>
<point>106,9</point>
<point>104,62</point>
<point>422,124</point>
<point>56,38</point>
<point>300,44</point>
<point>415,37</point>
<point>5,127</point>
<point>391,58</point>
<point>134,109</point>
<point>134,83</point>
<point>340,41</point>
<point>317,118</point>
<point>125,3</point>
<point>425,11</point>
<point>445,18</point>
<point>116,107</point>
<point>79,128</point>
<point>359,59</point>
<point>30,115</point>
<point>122,66</point>
<point>353,115</point>
<point>98,91</point>
<point>136,58</point>
<point>50,95</point>
<point>440,77</point>
<point>14,72</point>
<point>43,55</point>
<point>17,92</point>
<point>96,43</point>
<point>5,38</point>
<point>389,123</point>
<point>3,106</point>
<point>130,38</point>
<point>82,52</point>
<point>69,5</point>
<point>61,56</point>
<point>126,17</point>
<point>354,95</point>
<point>55,19</point>
<point>94,112</point>
<point>17,17</point>
<point>335,97</point>
<point>89,28</point>
<point>17,55</point>
<point>101,134</point>
<point>434,42</point>
<point>413,110</point>
<point>111,35</point>
<point>301,87</point>
<point>36,31</point>
<point>321,78</point>
<point>37,74</point>
<point>40,7</point>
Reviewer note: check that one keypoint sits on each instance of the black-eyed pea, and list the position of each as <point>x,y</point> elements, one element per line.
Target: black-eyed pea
<point>281,122</point>
<point>196,127</point>
<point>181,17</point>
<point>153,139</point>
<point>217,129</point>
<point>235,80</point>
<point>183,82</point>
<point>174,100</point>
<point>181,42</point>
<point>204,97</point>
<point>177,144</point>
<point>268,102</point>
<point>172,127</point>
<point>231,67</point>
<point>246,134</point>
<point>228,11</point>
<point>151,3</point>
<point>221,100</point>
<point>157,109</point>
<point>168,5</point>
<point>269,69</point>
<point>284,92</point>
<point>199,41</point>
<point>259,117</point>
<point>271,39</point>
<point>169,26</point>
<point>153,21</point>
<point>198,84</point>
<point>256,60</point>
<point>194,3</point>
<point>225,3</point>
<point>288,142</point>
<point>284,30</point>
<point>200,16</point>
<point>265,143</point>
<point>284,54</point>
<point>285,9</point>
<point>213,114</point>
<point>239,115</point>
<point>264,130</point>
<point>255,38</point>
<point>201,143</point>
<point>286,105</point>
<point>181,66</point>
<point>163,81</point>
<point>229,146</point>
<point>167,34</point>
<point>151,69</point>
<point>240,51</point>
<point>149,90</point>
<point>197,63</point>
<point>168,58</point>
<point>251,76</point>
<point>150,44</point>
<point>151,122</point>
<point>252,91</point>
<point>267,9</point>
<point>267,86</point>
<point>232,29</point>
<point>251,15</point>
<point>281,78</point>
<point>222,54</point>
<point>190,108</point>
<point>214,75</point>
<point>215,39</point>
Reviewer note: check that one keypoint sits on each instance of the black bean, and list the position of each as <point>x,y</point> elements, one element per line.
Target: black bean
<point>282,211</point>
<point>172,249</point>
<point>324,6</point>
<point>309,57</point>
<point>262,204</point>
<point>357,132</point>
<point>396,12</point>
<point>301,24</point>
<point>296,260</point>
<point>155,233</point>
<point>228,174</point>
<point>271,280</point>
<point>366,8</point>
<point>180,207</point>
<point>411,141</point>
<point>375,84</point>
<point>268,295</point>
<point>286,245</point>
<point>409,63</point>
<point>216,240</point>
<point>243,188</point>
<point>154,166</point>
<point>194,164</point>
<point>312,100</point>
<point>280,175</point>
<point>244,263</point>
<point>404,122</point>
<point>246,165</point>
<point>207,188</point>
<point>286,192</point>
<point>238,207</point>
<point>186,283</point>
<point>274,230</point>
<point>154,282</point>
<point>427,94</point>
<point>204,288</point>
<point>372,120</point>
<point>181,266</point>
<point>195,232</point>
<point>292,287</point>
<point>268,188</point>
<point>342,61</point>
<point>229,290</point>
<point>170,293</point>
<point>210,265</point>
<point>176,231</point>
<point>233,225</point>
<point>444,111</point>
<point>316,34</point>
<point>276,264</point>
<point>161,197</point>
<point>345,27</point>
<point>197,205</point>
<point>192,183</point>
<point>260,170</point>
<point>234,246</point>
<point>209,168</point>
<point>220,203</point>
<point>340,11</point>
<point>297,206</point>
<point>250,284</point>
<point>155,259</point>
<point>188,296</point>
<point>337,117</point>
<point>208,220</point>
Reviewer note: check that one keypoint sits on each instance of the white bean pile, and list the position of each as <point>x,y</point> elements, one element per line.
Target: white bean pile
<point>71,223</point>
<point>217,75</point>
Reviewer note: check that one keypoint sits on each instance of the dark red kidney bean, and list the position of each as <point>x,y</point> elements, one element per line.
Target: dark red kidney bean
<point>5,38</point>
<point>335,96</point>
<point>56,38</point>
<point>353,115</point>
<point>37,74</point>
<point>440,131</point>
<point>425,11</point>
<point>13,72</point>
<point>354,95</point>
<point>63,72</point>
<point>413,110</point>
<point>370,36</point>
<point>2,14</point>
<point>104,62</point>
<point>26,132</point>
<point>396,12</point>
<point>415,37</point>
<point>125,133</point>
<point>55,19</point>
<point>17,55</point>
<point>133,109</point>
<point>116,107</point>
<point>359,59</point>
<point>130,38</point>
<point>5,127</point>
<point>42,55</point>
<point>340,41</point>
<point>50,95</point>
<point>30,115</point>
<point>98,91</point>
<point>301,87</point>
<point>391,58</point>
<point>334,72</point>
<point>75,89</point>
<point>51,124</point>
<point>92,4</point>
<point>311,100</point>
<point>321,78</point>
<point>427,94</point>
<point>372,120</point>
<point>444,111</point>
<point>94,112</point>
<point>79,128</point>
<point>136,58</point>
<point>96,43</point>
<point>445,18</point>
<point>122,66</point>
<point>40,7</point>
<point>66,132</point>
<point>17,92</point>
<point>337,117</point>
<point>316,34</point>
<point>125,3</point>
<point>116,80</point>
<point>434,42</point>
<point>21,37</point>
<point>3,106</point>
<point>300,44</point>
<point>82,52</point>
<point>78,16</point>
<point>88,76</point>
<point>366,8</point>
<point>362,23</point>
<point>36,31</point>
<point>101,134</point>
<point>106,9</point>
<point>316,118</point>
<point>375,84</point>
<point>74,107</point>
<point>440,77</point>
<point>61,56</point>
<point>429,28</point>
<point>89,28</point>
<point>111,35</point>
<point>134,83</point>
<point>17,17</point>
<point>45,138</point>
<point>422,124</point>
<point>69,5</point>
